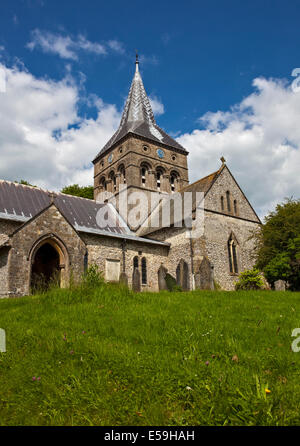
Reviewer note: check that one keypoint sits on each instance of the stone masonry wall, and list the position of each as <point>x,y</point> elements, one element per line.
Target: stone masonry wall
<point>214,245</point>
<point>180,249</point>
<point>6,228</point>
<point>102,248</point>
<point>224,183</point>
<point>49,222</point>
<point>211,244</point>
<point>4,252</point>
<point>131,153</point>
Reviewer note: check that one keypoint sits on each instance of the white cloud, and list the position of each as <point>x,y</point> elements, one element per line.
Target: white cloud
<point>45,141</point>
<point>117,46</point>
<point>260,139</point>
<point>157,105</point>
<point>42,137</point>
<point>65,47</point>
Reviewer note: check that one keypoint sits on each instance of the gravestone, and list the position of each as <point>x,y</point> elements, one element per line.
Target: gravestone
<point>162,285</point>
<point>182,275</point>
<point>136,280</point>
<point>280,285</point>
<point>2,341</point>
<point>204,276</point>
<point>123,278</point>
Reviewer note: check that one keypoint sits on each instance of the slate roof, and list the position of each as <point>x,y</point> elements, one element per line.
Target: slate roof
<point>202,185</point>
<point>138,119</point>
<point>21,203</point>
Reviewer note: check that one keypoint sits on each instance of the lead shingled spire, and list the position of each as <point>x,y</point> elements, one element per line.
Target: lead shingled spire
<point>138,117</point>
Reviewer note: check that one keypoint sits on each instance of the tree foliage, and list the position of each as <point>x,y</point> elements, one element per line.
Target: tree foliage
<point>79,191</point>
<point>26,183</point>
<point>278,248</point>
<point>250,280</point>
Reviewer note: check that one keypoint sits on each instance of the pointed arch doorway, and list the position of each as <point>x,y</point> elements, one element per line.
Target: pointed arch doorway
<point>48,264</point>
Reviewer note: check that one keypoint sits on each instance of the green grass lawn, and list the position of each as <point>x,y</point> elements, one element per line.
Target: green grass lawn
<point>107,356</point>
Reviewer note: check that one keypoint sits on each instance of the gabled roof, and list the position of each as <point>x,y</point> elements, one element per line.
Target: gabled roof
<point>138,119</point>
<point>21,203</point>
<point>168,203</point>
<point>202,185</point>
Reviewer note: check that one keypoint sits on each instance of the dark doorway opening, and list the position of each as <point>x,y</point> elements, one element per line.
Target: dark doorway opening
<point>45,268</point>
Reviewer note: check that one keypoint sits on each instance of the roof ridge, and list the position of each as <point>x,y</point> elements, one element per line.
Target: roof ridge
<point>201,179</point>
<point>44,190</point>
<point>26,185</point>
<point>77,196</point>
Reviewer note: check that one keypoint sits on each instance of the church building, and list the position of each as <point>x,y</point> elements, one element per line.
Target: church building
<point>140,176</point>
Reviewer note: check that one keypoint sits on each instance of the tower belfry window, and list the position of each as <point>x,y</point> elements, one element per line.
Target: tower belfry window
<point>113,180</point>
<point>158,177</point>
<point>103,183</point>
<point>173,181</point>
<point>144,176</point>
<point>123,175</point>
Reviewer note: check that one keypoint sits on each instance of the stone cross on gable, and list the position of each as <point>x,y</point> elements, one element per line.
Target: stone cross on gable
<point>52,196</point>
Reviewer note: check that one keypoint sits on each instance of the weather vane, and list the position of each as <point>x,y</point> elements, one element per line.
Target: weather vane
<point>136,56</point>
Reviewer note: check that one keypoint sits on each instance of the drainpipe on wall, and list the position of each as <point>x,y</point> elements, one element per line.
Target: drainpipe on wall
<point>124,254</point>
<point>192,259</point>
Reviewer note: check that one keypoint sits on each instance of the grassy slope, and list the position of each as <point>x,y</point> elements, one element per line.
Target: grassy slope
<point>142,358</point>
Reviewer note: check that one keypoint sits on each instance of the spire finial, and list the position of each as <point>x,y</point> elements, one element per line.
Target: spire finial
<point>136,61</point>
<point>223,160</point>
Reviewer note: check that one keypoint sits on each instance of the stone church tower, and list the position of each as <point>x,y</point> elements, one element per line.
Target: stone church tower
<point>140,154</point>
<point>57,236</point>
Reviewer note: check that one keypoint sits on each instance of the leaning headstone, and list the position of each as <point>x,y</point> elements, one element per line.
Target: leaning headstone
<point>136,280</point>
<point>2,341</point>
<point>170,282</point>
<point>204,277</point>
<point>280,285</point>
<point>162,285</point>
<point>123,278</point>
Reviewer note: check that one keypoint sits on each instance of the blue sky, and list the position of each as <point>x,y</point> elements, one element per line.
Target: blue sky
<point>229,59</point>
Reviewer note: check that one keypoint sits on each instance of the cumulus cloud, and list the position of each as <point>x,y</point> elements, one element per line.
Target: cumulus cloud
<point>157,105</point>
<point>65,47</point>
<point>116,46</point>
<point>42,137</point>
<point>44,140</point>
<point>260,139</point>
